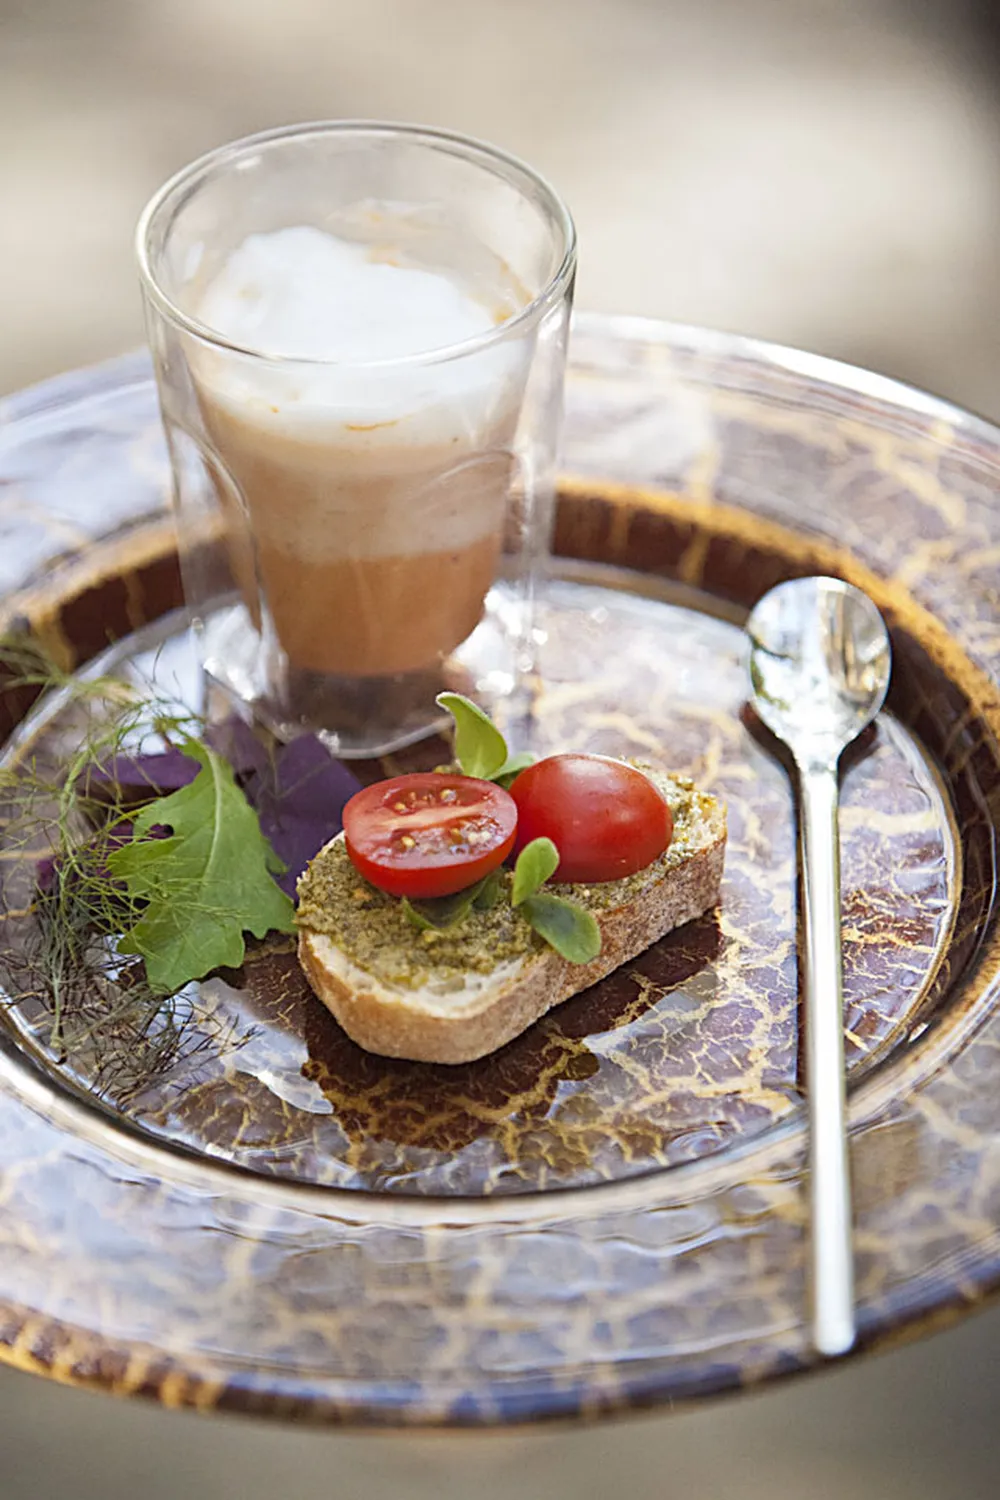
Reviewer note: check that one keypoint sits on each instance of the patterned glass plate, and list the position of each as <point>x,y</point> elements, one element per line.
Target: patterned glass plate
<point>610,1212</point>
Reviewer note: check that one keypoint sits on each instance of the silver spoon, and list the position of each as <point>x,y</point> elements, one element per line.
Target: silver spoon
<point>819,670</point>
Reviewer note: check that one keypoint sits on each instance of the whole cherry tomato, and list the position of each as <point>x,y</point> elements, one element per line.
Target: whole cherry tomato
<point>606,818</point>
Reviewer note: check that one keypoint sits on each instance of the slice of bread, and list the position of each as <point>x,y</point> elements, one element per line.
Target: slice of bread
<point>467,1016</point>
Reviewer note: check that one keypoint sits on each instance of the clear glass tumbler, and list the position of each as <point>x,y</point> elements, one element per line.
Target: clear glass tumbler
<point>359,530</point>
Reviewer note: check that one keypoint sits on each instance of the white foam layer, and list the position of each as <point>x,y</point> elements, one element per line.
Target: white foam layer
<point>305,294</point>
<point>329,308</point>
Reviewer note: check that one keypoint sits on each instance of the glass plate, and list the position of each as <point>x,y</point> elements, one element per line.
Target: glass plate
<point>610,1212</point>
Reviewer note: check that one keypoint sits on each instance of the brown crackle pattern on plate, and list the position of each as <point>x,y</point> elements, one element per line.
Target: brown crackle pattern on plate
<point>702,464</point>
<point>685,1050</point>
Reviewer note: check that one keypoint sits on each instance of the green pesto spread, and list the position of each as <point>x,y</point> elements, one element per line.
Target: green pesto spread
<point>374,931</point>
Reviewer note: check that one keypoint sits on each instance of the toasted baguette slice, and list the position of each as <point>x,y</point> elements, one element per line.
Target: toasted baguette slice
<point>467,1016</point>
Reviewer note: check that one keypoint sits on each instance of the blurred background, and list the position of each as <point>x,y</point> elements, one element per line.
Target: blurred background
<point>821,172</point>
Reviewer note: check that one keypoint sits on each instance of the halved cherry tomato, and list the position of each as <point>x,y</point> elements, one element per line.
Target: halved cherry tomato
<point>606,818</point>
<point>429,834</point>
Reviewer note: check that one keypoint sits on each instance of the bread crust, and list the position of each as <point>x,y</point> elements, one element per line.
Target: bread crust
<point>485,1014</point>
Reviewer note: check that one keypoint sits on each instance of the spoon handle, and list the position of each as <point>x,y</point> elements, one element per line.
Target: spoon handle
<point>830,1186</point>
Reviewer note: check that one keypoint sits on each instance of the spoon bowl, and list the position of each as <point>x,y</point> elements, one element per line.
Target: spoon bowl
<point>820,662</point>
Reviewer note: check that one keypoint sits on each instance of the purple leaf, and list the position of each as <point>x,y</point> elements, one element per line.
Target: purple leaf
<point>131,779</point>
<point>128,779</point>
<point>236,742</point>
<point>299,797</point>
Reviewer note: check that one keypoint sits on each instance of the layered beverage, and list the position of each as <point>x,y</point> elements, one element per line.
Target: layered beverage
<point>364,492</point>
<point>359,335</point>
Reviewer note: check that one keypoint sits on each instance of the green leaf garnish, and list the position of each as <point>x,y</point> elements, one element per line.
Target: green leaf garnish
<point>415,916</point>
<point>205,885</point>
<point>566,927</point>
<point>536,863</point>
<point>488,892</point>
<point>439,913</point>
<point>480,748</point>
<point>513,766</point>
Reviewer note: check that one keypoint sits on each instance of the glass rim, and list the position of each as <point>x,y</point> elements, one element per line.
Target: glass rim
<point>451,142</point>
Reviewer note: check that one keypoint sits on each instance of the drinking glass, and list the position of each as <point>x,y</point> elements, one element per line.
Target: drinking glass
<point>356,535</point>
